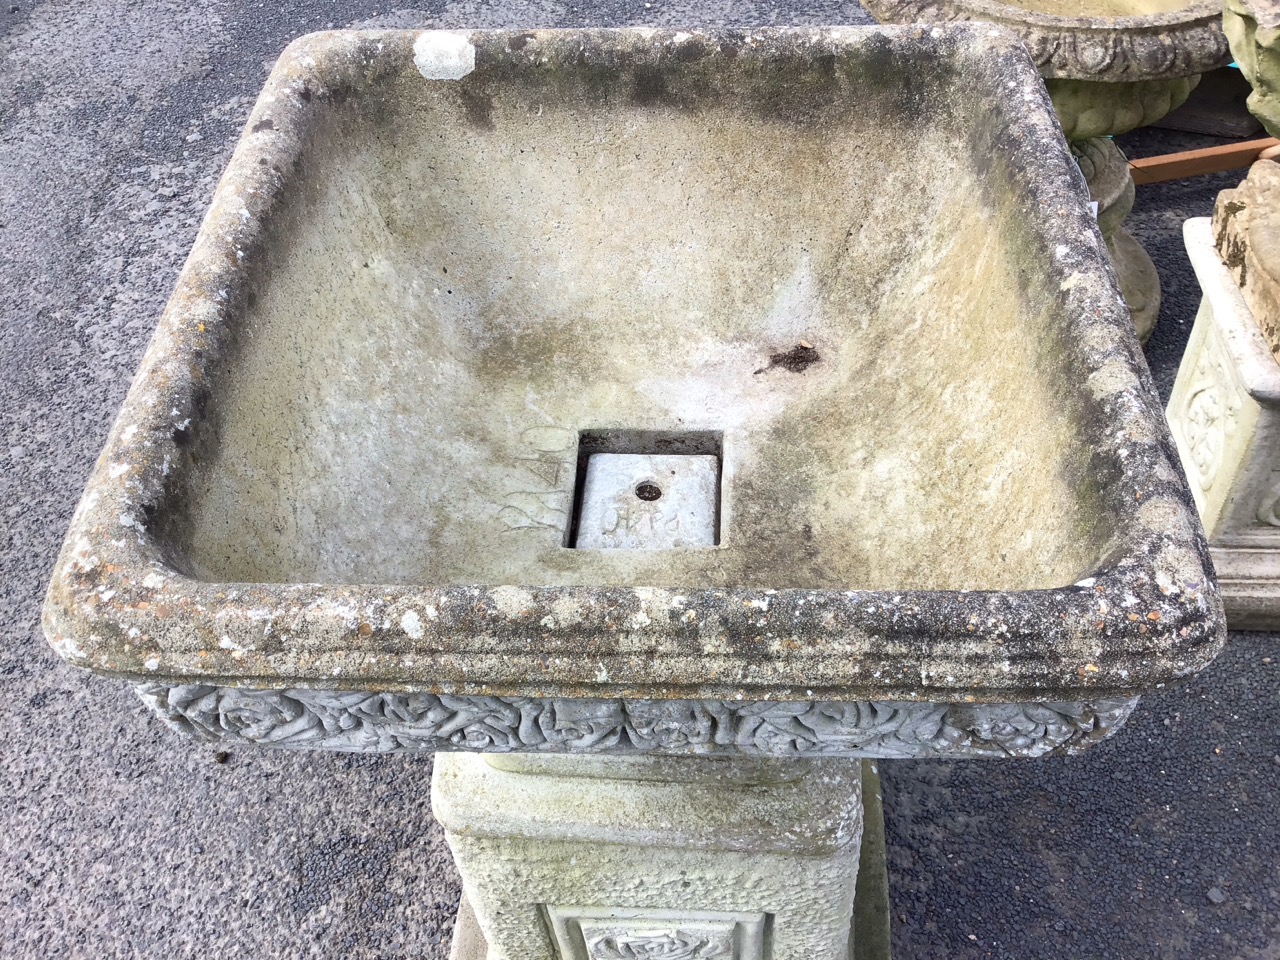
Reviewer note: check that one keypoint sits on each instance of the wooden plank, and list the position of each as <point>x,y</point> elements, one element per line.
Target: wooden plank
<point>1195,163</point>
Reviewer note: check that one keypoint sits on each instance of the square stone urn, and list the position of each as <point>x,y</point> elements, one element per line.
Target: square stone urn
<point>928,506</point>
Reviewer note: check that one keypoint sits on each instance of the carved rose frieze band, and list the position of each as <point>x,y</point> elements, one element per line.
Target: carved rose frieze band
<point>1184,43</point>
<point>384,722</point>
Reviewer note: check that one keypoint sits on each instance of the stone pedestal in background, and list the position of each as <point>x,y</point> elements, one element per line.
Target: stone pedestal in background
<point>1225,408</point>
<point>1109,69</point>
<point>579,858</point>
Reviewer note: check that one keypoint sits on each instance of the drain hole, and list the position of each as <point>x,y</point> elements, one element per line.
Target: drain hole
<point>648,491</point>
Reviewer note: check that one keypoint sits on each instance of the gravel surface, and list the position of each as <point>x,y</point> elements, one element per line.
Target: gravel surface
<point>120,839</point>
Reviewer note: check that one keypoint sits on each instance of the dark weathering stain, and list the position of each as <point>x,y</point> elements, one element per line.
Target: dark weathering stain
<point>479,107</point>
<point>518,41</point>
<point>690,51</point>
<point>264,124</point>
<point>651,88</point>
<point>798,359</point>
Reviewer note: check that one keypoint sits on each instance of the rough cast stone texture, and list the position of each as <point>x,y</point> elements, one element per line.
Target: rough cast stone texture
<point>558,867</point>
<point>411,295</point>
<point>1225,405</point>
<point>1253,30</point>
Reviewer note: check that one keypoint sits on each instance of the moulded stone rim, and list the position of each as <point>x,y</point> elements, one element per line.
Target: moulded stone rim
<point>114,582</point>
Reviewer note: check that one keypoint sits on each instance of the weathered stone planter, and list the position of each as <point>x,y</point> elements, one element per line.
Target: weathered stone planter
<point>1253,30</point>
<point>1110,66</point>
<point>1225,406</point>
<point>339,508</point>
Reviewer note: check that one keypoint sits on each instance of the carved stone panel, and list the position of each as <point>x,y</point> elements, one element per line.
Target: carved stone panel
<point>611,933</point>
<point>1212,411</point>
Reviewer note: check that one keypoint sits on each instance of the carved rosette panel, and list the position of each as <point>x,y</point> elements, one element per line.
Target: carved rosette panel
<point>391,722</point>
<point>672,945</point>
<point>1212,411</point>
<point>619,933</point>
<point>1156,47</point>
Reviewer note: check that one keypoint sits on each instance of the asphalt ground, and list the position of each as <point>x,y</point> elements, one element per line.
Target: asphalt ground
<point>121,839</point>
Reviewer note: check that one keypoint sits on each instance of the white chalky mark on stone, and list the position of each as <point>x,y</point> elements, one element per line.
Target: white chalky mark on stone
<point>411,624</point>
<point>440,55</point>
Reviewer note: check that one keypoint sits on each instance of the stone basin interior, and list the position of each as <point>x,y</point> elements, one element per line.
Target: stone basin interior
<point>474,274</point>
<point>1102,9</point>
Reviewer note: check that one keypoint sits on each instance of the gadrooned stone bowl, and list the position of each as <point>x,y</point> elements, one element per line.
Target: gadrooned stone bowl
<point>856,265</point>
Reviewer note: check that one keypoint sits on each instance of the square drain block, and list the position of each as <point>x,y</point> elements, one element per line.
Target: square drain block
<point>636,501</point>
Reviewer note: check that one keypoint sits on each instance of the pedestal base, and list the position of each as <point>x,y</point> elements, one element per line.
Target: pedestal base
<point>1249,581</point>
<point>564,859</point>
<point>869,936</point>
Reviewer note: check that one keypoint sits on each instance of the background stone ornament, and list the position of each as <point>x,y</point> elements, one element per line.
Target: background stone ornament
<point>1253,30</point>
<point>1212,412</point>
<point>393,722</point>
<point>1224,411</point>
<point>1138,46</point>
<point>1269,507</point>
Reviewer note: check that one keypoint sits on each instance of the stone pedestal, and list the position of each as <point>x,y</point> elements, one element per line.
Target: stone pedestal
<point>627,858</point>
<point>1225,407</point>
